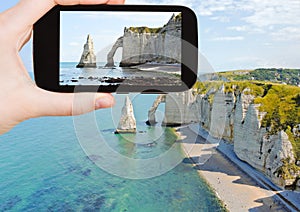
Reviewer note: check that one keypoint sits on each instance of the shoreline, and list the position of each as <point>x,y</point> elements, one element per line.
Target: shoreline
<point>162,68</point>
<point>234,184</point>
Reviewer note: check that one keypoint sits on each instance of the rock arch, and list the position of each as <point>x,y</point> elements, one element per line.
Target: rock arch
<point>152,111</point>
<point>180,108</point>
<point>111,54</point>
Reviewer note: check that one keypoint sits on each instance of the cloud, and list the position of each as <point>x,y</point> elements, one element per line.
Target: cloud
<point>74,44</point>
<point>246,28</point>
<point>223,19</point>
<point>229,38</point>
<point>274,12</point>
<point>287,34</point>
<point>210,7</point>
<point>276,18</point>
<point>238,28</point>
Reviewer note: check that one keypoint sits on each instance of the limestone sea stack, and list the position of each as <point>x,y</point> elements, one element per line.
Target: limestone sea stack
<point>127,122</point>
<point>88,57</point>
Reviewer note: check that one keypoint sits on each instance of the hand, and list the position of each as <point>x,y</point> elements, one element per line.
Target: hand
<point>20,98</point>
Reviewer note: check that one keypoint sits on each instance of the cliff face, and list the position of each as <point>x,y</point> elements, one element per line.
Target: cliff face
<point>143,44</point>
<point>88,57</point>
<point>180,108</point>
<point>234,117</point>
<point>253,144</point>
<point>221,124</point>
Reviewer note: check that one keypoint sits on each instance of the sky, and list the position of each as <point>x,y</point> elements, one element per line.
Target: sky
<point>237,34</point>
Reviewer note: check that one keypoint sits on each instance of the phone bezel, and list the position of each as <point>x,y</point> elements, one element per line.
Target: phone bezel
<point>46,43</point>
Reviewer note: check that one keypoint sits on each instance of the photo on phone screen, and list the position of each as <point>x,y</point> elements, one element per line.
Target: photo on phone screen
<point>107,48</point>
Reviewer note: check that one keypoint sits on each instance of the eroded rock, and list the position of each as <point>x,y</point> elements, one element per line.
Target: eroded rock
<point>127,123</point>
<point>88,57</point>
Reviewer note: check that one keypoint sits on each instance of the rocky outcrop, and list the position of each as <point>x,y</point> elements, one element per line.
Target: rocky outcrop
<point>144,44</point>
<point>127,123</point>
<point>152,111</point>
<point>253,144</point>
<point>221,124</point>
<point>181,108</point>
<point>111,54</point>
<point>204,111</point>
<point>88,57</point>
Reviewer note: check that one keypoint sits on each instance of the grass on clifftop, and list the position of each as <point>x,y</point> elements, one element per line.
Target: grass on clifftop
<point>288,76</point>
<point>178,17</point>
<point>144,29</point>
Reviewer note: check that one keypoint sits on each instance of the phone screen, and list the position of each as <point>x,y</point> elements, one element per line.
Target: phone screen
<point>108,48</point>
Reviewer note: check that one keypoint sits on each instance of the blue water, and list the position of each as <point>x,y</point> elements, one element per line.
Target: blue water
<point>43,168</point>
<point>68,71</point>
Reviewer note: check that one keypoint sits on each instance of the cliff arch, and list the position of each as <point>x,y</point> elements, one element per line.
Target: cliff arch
<point>151,113</point>
<point>111,54</point>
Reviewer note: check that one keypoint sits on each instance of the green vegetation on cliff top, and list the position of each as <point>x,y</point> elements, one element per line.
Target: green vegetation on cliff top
<point>178,17</point>
<point>287,76</point>
<point>144,29</point>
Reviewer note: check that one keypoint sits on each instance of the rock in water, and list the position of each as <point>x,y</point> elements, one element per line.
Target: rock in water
<point>127,122</point>
<point>88,57</point>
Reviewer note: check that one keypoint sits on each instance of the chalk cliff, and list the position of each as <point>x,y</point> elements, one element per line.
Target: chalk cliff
<point>180,108</point>
<point>255,145</point>
<point>234,116</point>
<point>127,123</point>
<point>144,44</point>
<point>88,57</point>
<point>221,123</point>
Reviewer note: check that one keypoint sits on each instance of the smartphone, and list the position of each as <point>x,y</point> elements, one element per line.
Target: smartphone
<point>116,48</point>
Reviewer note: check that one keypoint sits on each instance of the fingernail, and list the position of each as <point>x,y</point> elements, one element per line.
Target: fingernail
<point>104,102</point>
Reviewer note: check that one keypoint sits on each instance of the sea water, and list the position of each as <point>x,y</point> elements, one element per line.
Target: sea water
<point>69,72</point>
<point>43,168</point>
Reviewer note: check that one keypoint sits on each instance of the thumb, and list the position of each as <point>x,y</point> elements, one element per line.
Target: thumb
<point>62,104</point>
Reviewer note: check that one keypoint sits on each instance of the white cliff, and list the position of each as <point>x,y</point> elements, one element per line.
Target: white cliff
<point>127,123</point>
<point>144,44</point>
<point>234,117</point>
<point>180,108</point>
<point>256,146</point>
<point>221,124</point>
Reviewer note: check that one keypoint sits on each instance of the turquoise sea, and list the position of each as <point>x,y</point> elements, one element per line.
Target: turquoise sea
<point>43,168</point>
